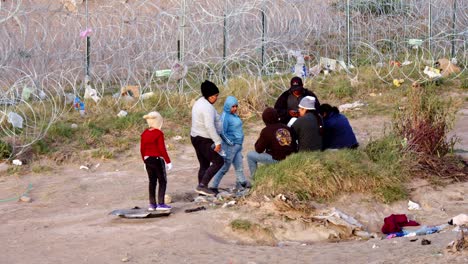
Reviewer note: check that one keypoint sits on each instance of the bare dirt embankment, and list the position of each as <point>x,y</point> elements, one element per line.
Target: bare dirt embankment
<point>68,221</point>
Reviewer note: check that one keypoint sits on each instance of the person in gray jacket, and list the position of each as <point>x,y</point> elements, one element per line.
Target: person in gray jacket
<point>205,138</point>
<point>308,126</point>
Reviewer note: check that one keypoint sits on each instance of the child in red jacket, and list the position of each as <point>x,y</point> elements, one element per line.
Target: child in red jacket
<point>157,161</point>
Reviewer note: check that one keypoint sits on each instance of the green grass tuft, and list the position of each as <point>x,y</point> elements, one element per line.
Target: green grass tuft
<point>241,224</point>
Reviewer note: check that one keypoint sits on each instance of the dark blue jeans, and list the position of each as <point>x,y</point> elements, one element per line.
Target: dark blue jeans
<point>210,161</point>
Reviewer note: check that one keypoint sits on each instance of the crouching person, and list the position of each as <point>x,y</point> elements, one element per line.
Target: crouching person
<point>338,133</point>
<point>275,143</point>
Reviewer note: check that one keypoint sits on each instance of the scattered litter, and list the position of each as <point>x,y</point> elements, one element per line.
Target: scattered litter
<point>83,167</point>
<point>91,93</point>
<point>299,69</point>
<point>79,105</point>
<point>130,90</point>
<point>415,43</point>
<point>147,95</point>
<point>15,119</point>
<point>413,206</point>
<point>195,209</point>
<point>447,67</point>
<point>97,165</point>
<point>85,33</point>
<point>395,63</point>
<point>122,113</point>
<point>346,224</point>
<point>425,242</point>
<point>163,73</point>
<point>17,162</point>
<point>26,93</point>
<point>352,106</point>
<point>25,198</point>
<point>178,71</point>
<point>461,219</point>
<point>406,63</point>
<point>229,204</point>
<point>398,82</point>
<point>433,73</point>
<point>375,246</point>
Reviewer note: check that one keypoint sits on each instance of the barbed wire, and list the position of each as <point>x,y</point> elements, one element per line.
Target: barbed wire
<point>132,41</point>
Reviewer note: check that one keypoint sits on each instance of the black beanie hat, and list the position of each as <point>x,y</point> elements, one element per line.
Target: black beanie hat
<point>208,89</point>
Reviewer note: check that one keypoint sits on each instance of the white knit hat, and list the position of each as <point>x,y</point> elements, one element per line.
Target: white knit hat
<point>307,103</point>
<point>154,119</point>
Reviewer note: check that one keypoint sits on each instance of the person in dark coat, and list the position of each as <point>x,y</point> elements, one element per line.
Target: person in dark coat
<point>307,127</point>
<point>337,132</point>
<point>276,141</point>
<point>287,103</point>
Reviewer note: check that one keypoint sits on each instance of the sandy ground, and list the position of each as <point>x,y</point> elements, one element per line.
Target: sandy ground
<point>68,221</point>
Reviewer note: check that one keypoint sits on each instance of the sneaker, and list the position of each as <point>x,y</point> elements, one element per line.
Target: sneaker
<point>163,207</point>
<point>246,184</point>
<point>215,190</point>
<point>152,207</point>
<point>204,190</point>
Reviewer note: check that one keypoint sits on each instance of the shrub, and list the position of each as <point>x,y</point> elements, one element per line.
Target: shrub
<point>5,150</point>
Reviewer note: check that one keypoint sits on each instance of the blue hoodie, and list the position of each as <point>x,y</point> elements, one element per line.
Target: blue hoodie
<point>232,132</point>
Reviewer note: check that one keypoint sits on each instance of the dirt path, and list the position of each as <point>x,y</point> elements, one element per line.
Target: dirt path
<point>68,220</point>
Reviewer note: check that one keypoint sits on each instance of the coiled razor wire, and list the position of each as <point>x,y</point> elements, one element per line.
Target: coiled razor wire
<point>140,42</point>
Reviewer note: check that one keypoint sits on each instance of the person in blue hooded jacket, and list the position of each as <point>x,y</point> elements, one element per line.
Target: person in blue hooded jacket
<point>233,138</point>
<point>338,133</point>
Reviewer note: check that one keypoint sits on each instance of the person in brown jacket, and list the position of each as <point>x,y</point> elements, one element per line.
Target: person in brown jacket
<point>276,141</point>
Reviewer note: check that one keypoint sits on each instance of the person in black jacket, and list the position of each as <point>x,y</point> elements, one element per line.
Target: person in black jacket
<point>308,126</point>
<point>287,103</point>
<point>276,141</point>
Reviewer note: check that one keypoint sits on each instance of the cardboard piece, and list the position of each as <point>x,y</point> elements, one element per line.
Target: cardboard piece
<point>130,90</point>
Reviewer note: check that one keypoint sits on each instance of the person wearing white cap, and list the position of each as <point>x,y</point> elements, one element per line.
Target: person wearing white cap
<point>307,127</point>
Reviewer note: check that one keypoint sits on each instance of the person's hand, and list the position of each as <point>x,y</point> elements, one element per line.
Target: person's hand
<point>169,166</point>
<point>217,148</point>
<point>293,113</point>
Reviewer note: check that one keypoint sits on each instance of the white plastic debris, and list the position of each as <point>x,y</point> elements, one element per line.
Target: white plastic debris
<point>122,113</point>
<point>83,167</point>
<point>432,72</point>
<point>345,107</point>
<point>375,246</point>
<point>15,119</point>
<point>147,95</point>
<point>17,162</point>
<point>413,206</point>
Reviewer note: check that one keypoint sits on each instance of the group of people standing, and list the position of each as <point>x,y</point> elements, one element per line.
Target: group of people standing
<point>297,122</point>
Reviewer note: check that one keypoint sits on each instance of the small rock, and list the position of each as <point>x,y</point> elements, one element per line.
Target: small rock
<point>425,242</point>
<point>25,198</point>
<point>126,259</point>
<point>167,199</point>
<point>74,126</point>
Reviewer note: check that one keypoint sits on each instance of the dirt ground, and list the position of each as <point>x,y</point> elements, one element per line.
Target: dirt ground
<point>68,222</point>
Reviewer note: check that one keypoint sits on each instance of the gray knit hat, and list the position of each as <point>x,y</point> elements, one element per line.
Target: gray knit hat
<point>307,103</point>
